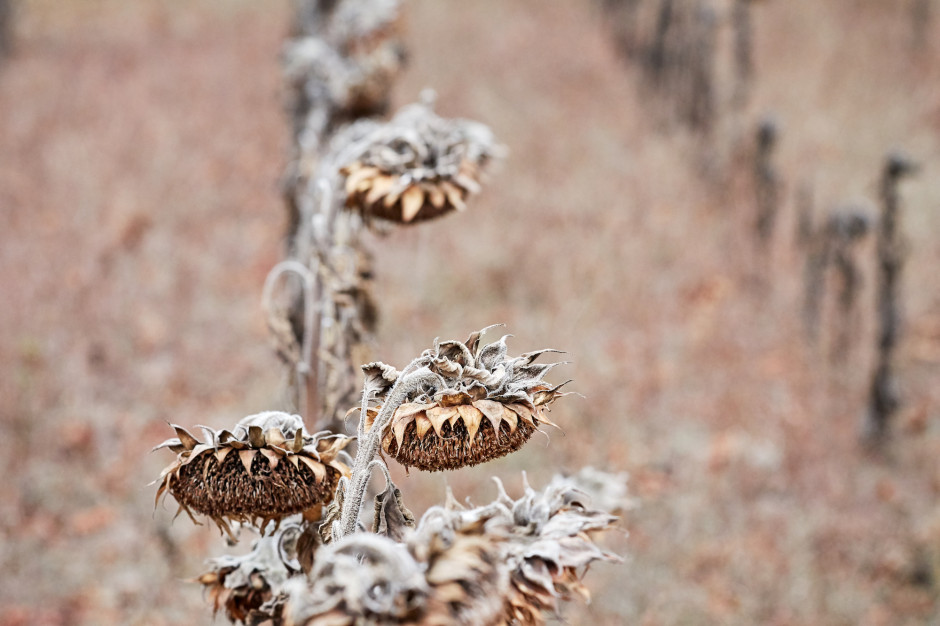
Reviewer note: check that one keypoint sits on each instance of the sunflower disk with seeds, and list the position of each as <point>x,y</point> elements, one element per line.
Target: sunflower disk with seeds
<point>265,469</point>
<point>484,405</point>
<point>416,167</point>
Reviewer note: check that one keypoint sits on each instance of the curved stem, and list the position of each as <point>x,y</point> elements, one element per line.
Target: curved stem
<point>370,441</point>
<point>304,367</point>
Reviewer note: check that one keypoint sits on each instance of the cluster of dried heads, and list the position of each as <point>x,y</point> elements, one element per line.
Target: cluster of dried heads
<point>459,403</point>
<point>507,562</point>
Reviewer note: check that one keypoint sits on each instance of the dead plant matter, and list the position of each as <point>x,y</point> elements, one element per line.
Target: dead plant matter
<point>248,587</point>
<point>415,167</point>
<point>481,405</point>
<point>265,469</point>
<point>506,562</point>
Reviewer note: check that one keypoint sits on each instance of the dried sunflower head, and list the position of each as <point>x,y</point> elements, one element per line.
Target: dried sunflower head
<point>361,579</point>
<point>550,547</point>
<point>416,167</point>
<point>466,573</point>
<point>484,405</point>
<point>249,587</point>
<point>266,468</point>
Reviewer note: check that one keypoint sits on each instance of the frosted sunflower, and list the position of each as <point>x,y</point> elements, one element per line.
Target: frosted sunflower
<point>265,469</point>
<point>416,167</point>
<point>483,405</point>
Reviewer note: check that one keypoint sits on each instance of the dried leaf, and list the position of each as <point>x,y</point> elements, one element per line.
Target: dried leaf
<point>188,441</point>
<point>392,518</point>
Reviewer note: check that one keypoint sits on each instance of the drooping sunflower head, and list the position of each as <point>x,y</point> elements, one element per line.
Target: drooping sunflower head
<point>416,167</point>
<point>483,405</point>
<point>362,578</point>
<point>266,468</point>
<point>249,588</point>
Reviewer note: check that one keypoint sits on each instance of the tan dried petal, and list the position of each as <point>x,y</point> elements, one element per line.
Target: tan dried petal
<point>188,441</point>
<point>411,202</point>
<point>275,437</point>
<point>454,196</point>
<point>359,175</point>
<point>400,426</point>
<point>436,196</point>
<point>380,186</point>
<point>492,410</point>
<point>439,416</point>
<point>471,418</point>
<point>522,411</point>
<point>256,437</point>
<point>423,424</point>
<point>318,469</point>
<point>247,456</point>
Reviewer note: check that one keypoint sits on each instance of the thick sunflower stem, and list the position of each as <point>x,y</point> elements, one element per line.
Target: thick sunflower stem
<point>369,442</point>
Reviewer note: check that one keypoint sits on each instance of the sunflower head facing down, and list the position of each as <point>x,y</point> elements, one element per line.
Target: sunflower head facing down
<point>266,468</point>
<point>484,405</point>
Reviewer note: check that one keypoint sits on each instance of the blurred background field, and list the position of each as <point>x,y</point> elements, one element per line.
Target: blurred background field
<point>141,146</point>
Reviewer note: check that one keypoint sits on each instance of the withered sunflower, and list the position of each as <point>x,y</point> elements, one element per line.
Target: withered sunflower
<point>485,406</point>
<point>265,469</point>
<point>416,167</point>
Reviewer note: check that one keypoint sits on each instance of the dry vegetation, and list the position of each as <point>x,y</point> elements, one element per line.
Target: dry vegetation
<point>141,146</point>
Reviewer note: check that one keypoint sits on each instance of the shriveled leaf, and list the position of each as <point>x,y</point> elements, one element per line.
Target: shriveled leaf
<point>391,518</point>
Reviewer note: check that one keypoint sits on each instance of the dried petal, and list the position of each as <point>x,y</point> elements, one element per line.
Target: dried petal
<point>411,202</point>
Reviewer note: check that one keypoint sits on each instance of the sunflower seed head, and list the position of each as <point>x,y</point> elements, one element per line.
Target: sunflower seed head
<point>264,469</point>
<point>361,579</point>
<point>481,405</point>
<point>415,167</point>
<point>249,587</point>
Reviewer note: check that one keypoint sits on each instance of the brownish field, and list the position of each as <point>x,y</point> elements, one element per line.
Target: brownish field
<point>140,150</point>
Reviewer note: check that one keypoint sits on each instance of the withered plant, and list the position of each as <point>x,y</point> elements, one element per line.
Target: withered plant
<point>459,403</point>
<point>883,398</point>
<point>351,171</point>
<point>767,183</point>
<point>834,247</point>
<point>846,229</point>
